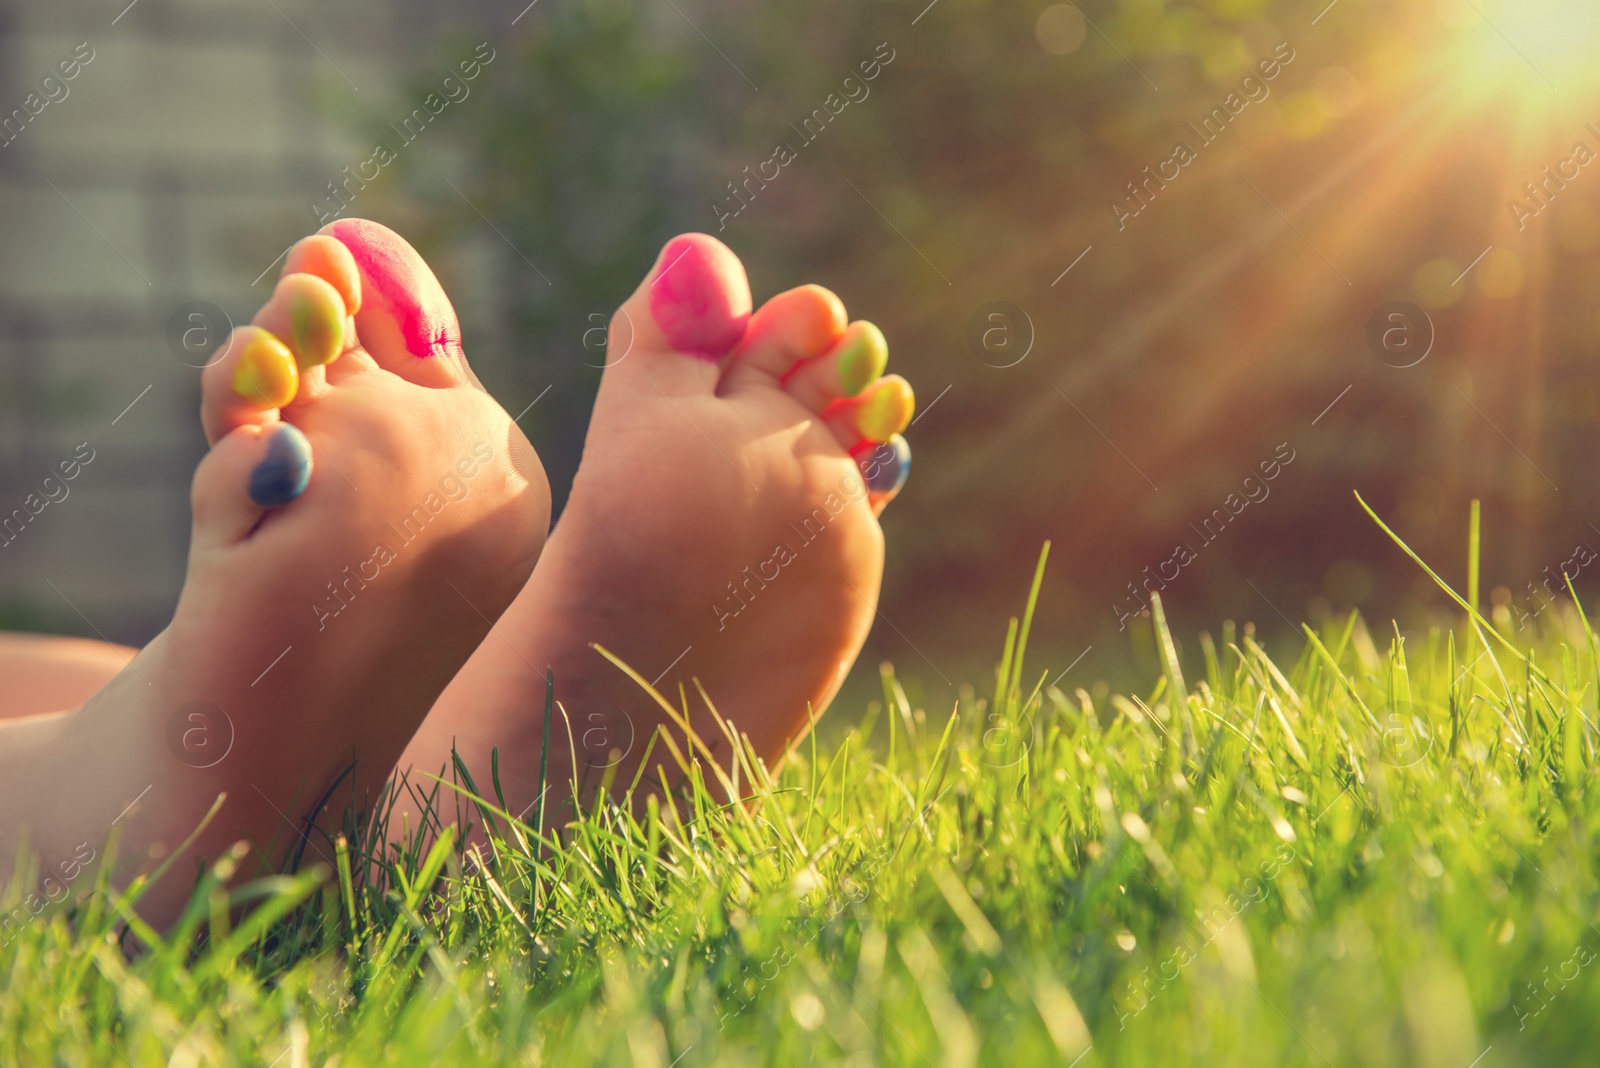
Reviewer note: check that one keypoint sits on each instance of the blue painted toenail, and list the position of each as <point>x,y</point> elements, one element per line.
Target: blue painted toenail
<point>283,475</point>
<point>886,467</point>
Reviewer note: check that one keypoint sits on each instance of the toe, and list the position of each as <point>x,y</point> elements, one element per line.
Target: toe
<point>405,321</point>
<point>787,330</point>
<point>308,314</point>
<point>255,375</point>
<point>249,471</point>
<point>686,316</point>
<point>328,259</point>
<point>854,362</point>
<point>885,466</point>
<point>877,414</point>
<point>699,297</point>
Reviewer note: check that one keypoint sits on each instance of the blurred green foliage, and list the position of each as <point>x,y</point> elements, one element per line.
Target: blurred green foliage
<point>1188,344</point>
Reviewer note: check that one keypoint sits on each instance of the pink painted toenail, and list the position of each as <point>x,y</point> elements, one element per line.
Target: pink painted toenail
<point>394,271</point>
<point>700,298</point>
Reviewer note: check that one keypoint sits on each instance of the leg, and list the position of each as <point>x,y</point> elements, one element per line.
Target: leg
<point>365,512</point>
<point>47,673</point>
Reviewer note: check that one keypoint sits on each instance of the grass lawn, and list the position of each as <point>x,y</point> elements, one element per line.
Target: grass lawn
<point>1367,852</point>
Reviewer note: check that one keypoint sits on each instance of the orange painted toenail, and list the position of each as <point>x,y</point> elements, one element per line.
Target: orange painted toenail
<point>886,411</point>
<point>328,259</point>
<point>863,354</point>
<point>265,375</point>
<point>808,320</point>
<point>700,298</point>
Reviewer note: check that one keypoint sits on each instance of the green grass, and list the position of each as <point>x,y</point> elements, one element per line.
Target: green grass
<point>1364,853</point>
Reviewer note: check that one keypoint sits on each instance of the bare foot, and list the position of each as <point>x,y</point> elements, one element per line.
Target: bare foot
<point>720,532</point>
<point>364,514</point>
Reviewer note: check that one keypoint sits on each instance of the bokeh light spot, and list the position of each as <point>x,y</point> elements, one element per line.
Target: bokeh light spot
<point>1226,59</point>
<point>1434,283</point>
<point>1060,29</point>
<point>1500,276</point>
<point>1338,92</point>
<point>1302,116</point>
<point>808,1011</point>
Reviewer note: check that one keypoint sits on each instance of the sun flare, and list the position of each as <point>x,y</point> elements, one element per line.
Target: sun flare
<point>1539,45</point>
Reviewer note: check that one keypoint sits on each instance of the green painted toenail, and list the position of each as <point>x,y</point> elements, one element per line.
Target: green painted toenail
<point>863,354</point>
<point>316,322</point>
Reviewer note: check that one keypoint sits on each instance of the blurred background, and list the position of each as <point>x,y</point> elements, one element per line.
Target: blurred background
<point>1173,279</point>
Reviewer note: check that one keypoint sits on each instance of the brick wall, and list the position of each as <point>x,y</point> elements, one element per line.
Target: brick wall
<point>176,168</point>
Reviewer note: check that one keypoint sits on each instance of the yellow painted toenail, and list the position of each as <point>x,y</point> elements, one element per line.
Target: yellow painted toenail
<point>886,411</point>
<point>317,323</point>
<point>863,354</point>
<point>266,374</point>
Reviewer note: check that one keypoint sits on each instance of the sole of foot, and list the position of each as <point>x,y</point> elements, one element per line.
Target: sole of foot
<point>366,511</point>
<point>721,539</point>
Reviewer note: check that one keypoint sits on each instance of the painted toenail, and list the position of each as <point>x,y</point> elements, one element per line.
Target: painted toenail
<point>328,259</point>
<point>282,475</point>
<point>699,299</point>
<point>885,466</point>
<point>317,323</point>
<point>266,375</point>
<point>887,411</point>
<point>863,354</point>
<point>397,274</point>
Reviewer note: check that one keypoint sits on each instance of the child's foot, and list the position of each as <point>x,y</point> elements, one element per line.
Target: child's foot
<point>719,530</point>
<point>364,514</point>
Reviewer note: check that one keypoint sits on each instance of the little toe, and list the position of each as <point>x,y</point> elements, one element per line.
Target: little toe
<point>876,414</point>
<point>845,369</point>
<point>885,466</point>
<point>787,330</point>
<point>249,471</point>
<point>405,320</point>
<point>254,376</point>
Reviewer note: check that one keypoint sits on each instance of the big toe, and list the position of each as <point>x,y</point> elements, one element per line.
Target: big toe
<point>404,320</point>
<point>687,316</point>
